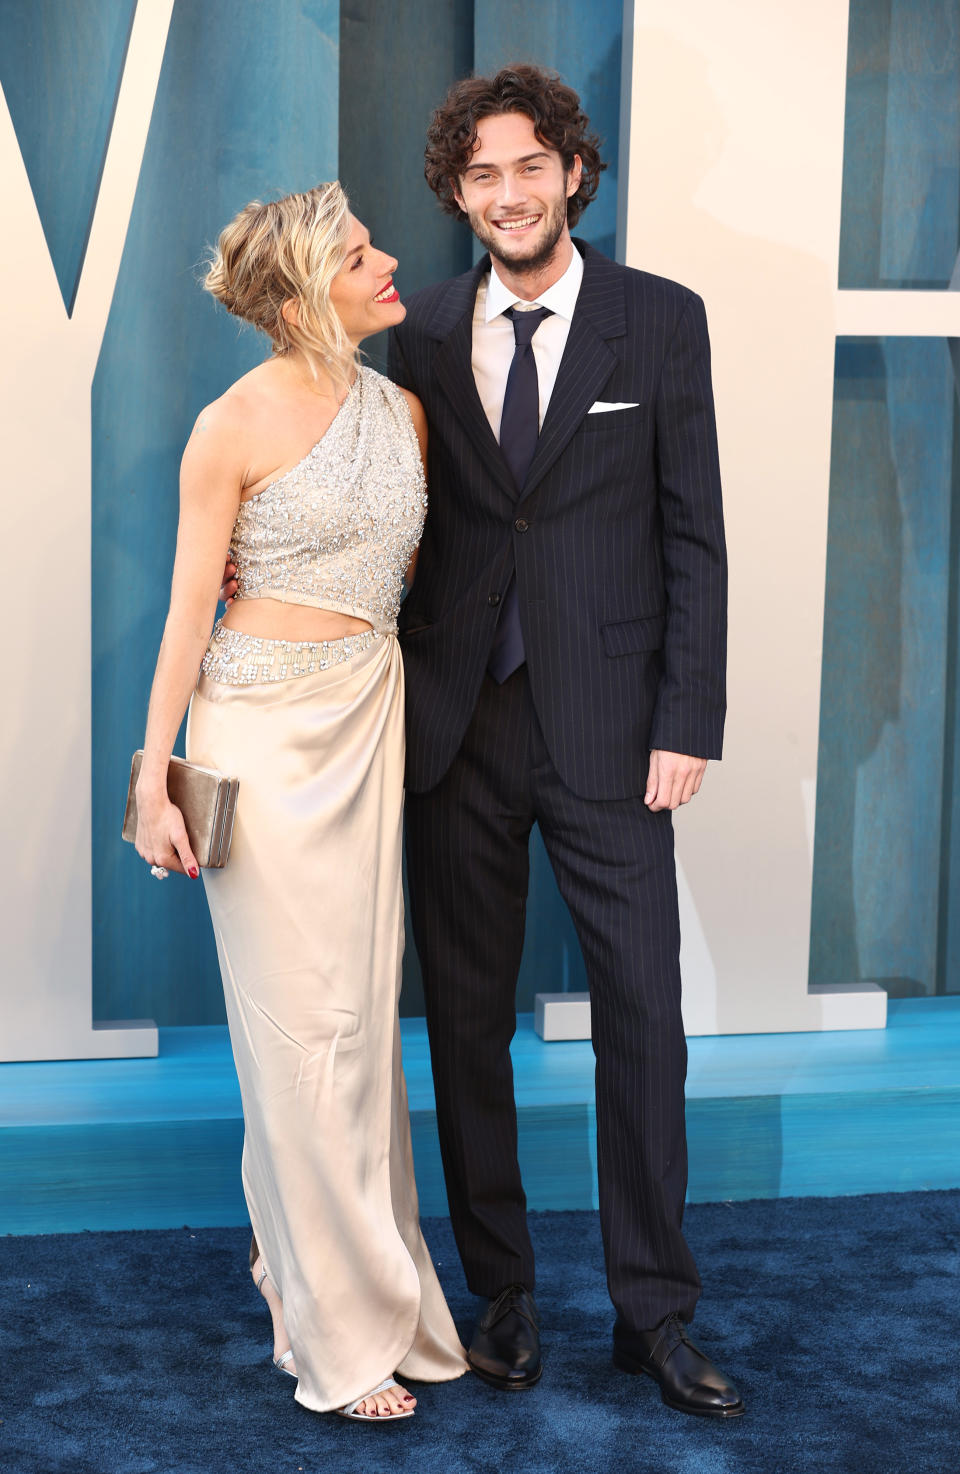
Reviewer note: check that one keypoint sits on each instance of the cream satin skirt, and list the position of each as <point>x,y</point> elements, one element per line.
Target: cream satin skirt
<point>308,916</point>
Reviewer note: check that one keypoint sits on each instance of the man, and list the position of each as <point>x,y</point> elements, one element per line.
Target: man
<point>564,646</point>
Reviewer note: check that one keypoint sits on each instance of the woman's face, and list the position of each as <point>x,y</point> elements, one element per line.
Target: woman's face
<point>362,292</point>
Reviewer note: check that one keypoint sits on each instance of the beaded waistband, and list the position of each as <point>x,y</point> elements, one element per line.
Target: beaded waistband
<point>237,659</point>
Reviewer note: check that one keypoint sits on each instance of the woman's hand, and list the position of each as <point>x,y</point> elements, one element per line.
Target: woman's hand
<point>162,834</point>
<point>229,586</point>
<point>210,479</point>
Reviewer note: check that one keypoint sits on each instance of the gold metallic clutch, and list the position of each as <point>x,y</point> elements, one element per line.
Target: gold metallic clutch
<point>206,799</point>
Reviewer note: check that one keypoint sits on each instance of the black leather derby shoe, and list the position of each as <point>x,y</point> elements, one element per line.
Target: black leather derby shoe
<point>688,1380</point>
<point>505,1350</point>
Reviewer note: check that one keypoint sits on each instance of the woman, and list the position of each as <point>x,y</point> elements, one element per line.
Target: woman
<point>311,468</point>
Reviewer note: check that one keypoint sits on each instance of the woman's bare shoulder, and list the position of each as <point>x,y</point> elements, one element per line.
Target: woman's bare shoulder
<point>231,412</point>
<point>230,425</point>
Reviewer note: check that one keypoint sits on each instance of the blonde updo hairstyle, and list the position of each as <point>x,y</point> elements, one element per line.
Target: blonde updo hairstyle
<point>290,248</point>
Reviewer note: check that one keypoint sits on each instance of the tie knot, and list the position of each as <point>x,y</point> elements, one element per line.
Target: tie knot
<point>525,323</point>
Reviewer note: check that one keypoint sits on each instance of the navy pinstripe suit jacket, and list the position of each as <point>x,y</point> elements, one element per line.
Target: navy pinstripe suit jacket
<point>616,536</point>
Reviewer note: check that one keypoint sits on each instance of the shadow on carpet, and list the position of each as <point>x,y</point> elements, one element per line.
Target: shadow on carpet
<point>148,1353</point>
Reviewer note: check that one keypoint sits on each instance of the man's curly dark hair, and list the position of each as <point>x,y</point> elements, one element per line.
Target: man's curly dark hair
<point>554,109</point>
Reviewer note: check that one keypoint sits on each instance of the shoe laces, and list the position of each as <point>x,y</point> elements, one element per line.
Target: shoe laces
<point>673,1330</point>
<point>507,1300</point>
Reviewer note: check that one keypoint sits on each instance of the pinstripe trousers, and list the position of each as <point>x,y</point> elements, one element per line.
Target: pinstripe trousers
<point>468,866</point>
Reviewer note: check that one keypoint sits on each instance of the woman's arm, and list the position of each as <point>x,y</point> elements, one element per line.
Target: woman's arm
<point>419,418</point>
<point>211,475</point>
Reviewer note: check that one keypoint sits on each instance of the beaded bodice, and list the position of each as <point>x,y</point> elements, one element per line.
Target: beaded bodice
<point>338,530</point>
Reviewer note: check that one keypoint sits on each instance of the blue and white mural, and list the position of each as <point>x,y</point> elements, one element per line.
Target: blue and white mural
<point>130,131</point>
<point>252,101</point>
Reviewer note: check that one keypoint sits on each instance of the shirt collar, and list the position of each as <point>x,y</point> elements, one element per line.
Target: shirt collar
<point>561,298</point>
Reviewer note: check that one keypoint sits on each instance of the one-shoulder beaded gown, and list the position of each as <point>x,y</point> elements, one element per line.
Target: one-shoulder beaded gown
<point>308,912</point>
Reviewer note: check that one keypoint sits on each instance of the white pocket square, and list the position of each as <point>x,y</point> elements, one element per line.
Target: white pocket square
<point>601,409</point>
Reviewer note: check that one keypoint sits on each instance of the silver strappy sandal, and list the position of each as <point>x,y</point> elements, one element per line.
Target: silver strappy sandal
<point>281,1361</point>
<point>350,1411</point>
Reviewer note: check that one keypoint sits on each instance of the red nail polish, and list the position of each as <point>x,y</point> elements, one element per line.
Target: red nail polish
<point>193,872</point>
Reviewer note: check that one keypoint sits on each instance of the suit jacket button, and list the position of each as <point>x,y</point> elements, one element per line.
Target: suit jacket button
<point>521,524</point>
<point>493,600</point>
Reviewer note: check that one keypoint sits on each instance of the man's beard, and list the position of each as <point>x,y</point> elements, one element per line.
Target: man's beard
<point>521,265</point>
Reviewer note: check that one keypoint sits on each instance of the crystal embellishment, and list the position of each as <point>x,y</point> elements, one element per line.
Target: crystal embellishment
<point>339,529</point>
<point>336,532</point>
<point>238,659</point>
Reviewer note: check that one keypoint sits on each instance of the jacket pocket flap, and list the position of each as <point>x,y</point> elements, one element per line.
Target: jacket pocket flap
<point>627,636</point>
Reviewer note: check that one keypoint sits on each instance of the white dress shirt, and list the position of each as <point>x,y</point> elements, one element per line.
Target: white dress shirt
<point>493,340</point>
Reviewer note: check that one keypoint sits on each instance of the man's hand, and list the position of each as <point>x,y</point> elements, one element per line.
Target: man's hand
<point>673,779</point>
<point>229,586</point>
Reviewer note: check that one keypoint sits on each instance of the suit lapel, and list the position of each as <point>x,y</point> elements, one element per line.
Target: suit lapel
<point>588,360</point>
<point>452,323</point>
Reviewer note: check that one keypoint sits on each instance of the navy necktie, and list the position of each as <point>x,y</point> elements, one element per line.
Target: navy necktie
<point>519,431</point>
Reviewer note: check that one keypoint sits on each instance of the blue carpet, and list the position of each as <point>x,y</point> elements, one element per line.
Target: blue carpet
<point>146,1353</point>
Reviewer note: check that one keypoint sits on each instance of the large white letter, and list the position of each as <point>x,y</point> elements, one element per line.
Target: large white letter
<point>736,155</point>
<point>49,363</point>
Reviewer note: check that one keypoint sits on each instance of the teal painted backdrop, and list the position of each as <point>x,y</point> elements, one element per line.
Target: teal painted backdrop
<point>901,167</point>
<point>325,91</point>
<point>257,103</point>
<point>244,108</point>
<point>60,66</point>
<point>886,891</point>
<point>889,669</point>
<point>396,62</point>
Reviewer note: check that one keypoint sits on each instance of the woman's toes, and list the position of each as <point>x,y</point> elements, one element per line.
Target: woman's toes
<point>401,1401</point>
<point>387,1404</point>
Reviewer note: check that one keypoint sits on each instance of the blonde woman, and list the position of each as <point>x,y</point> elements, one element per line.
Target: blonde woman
<point>310,468</point>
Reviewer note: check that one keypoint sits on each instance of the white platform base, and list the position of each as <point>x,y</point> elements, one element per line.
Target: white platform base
<point>832,1006</point>
<point>562,1015</point>
<point>850,1005</point>
<point>118,1039</point>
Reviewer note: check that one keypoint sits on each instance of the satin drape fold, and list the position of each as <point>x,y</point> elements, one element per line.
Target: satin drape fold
<point>308,917</point>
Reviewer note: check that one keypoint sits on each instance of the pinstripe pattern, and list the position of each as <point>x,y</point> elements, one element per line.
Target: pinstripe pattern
<point>617,545</point>
<point>613,860</point>
<point>621,573</point>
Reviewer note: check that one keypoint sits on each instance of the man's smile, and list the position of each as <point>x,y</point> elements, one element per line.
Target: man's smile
<point>523,222</point>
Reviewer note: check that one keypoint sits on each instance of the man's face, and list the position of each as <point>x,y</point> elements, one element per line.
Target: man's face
<point>514,192</point>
